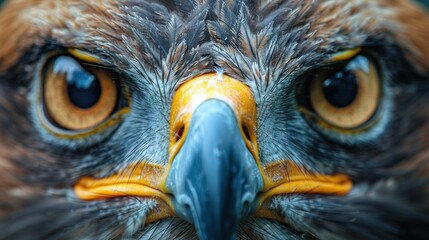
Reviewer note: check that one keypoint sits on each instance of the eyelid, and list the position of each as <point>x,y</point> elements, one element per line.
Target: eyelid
<point>344,55</point>
<point>84,56</point>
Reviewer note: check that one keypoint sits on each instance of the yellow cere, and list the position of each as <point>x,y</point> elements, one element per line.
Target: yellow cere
<point>212,86</point>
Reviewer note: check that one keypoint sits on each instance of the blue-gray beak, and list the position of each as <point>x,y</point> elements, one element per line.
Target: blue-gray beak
<point>214,177</point>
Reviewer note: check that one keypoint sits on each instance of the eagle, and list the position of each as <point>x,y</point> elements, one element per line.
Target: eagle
<point>214,119</point>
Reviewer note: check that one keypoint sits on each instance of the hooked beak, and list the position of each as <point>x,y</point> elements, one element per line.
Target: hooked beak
<point>214,177</point>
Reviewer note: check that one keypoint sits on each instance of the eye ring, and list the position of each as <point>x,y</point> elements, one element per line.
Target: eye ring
<point>347,97</point>
<point>78,99</point>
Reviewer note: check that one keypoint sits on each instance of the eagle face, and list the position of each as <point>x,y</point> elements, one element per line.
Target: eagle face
<point>247,119</point>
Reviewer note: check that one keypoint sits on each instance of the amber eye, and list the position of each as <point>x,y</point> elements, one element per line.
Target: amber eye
<point>347,97</point>
<point>77,97</point>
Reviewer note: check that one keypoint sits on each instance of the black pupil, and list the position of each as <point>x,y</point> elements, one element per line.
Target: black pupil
<point>83,88</point>
<point>83,95</point>
<point>341,88</point>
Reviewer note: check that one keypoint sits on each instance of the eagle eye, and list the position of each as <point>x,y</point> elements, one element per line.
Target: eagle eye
<point>76,95</point>
<point>346,96</point>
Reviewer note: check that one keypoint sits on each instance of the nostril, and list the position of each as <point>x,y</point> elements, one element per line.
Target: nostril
<point>246,132</point>
<point>247,203</point>
<point>179,134</point>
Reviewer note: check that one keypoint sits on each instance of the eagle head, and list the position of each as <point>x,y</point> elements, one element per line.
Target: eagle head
<point>214,119</point>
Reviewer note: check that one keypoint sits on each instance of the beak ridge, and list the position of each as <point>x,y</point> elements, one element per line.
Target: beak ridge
<point>214,177</point>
